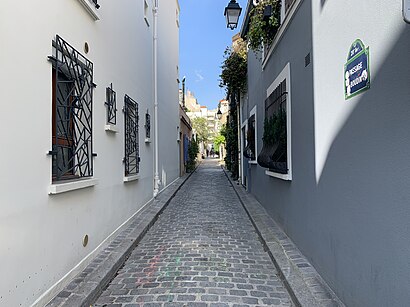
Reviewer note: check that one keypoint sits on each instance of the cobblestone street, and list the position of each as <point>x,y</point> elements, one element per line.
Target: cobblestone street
<point>202,251</point>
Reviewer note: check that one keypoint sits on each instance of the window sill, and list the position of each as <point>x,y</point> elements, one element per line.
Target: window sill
<point>147,140</point>
<point>131,178</point>
<point>90,9</point>
<point>253,162</point>
<point>287,177</point>
<point>111,128</point>
<point>59,188</point>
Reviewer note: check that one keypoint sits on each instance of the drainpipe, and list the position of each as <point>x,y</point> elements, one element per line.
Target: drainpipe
<point>156,173</point>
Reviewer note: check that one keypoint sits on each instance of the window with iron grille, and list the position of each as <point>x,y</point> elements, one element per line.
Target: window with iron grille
<point>250,150</point>
<point>95,2</point>
<point>131,159</point>
<point>147,126</point>
<point>288,4</point>
<point>111,103</point>
<point>72,102</point>
<point>274,153</point>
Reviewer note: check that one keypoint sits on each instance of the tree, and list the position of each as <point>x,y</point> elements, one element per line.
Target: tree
<point>234,80</point>
<point>234,69</point>
<point>201,127</point>
<point>219,140</point>
<point>193,150</point>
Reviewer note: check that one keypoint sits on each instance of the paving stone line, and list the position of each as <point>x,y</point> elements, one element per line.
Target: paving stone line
<point>86,287</point>
<point>202,251</point>
<point>305,285</point>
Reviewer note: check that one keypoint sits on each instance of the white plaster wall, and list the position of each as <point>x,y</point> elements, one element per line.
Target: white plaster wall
<point>336,25</point>
<point>168,94</point>
<point>41,235</point>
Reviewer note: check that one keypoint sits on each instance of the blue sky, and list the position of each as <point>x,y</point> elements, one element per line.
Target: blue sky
<point>203,39</point>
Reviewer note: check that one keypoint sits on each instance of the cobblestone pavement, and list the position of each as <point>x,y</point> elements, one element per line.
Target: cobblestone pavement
<point>202,251</point>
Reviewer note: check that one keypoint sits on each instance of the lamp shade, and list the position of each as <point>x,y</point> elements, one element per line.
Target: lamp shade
<point>232,13</point>
<point>219,114</point>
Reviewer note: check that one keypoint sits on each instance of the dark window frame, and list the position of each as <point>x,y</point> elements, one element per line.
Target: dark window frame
<point>111,103</point>
<point>72,108</point>
<point>131,137</point>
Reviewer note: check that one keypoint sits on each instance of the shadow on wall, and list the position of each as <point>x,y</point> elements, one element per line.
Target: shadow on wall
<point>365,187</point>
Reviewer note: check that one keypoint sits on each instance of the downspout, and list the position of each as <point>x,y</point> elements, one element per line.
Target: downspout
<point>156,173</point>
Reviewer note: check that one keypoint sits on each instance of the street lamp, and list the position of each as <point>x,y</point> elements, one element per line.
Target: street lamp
<point>219,114</point>
<point>232,13</point>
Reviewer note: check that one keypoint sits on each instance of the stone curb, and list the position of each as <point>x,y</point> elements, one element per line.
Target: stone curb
<point>304,284</point>
<point>85,288</point>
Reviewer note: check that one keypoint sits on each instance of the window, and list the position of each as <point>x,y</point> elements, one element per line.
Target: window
<point>95,2</point>
<point>91,6</point>
<point>131,158</point>
<point>146,12</point>
<point>288,4</point>
<point>276,151</point>
<point>72,97</point>
<point>250,149</point>
<point>147,127</point>
<point>111,103</point>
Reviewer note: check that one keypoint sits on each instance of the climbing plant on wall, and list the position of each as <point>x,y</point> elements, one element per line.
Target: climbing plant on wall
<point>264,23</point>
<point>234,80</point>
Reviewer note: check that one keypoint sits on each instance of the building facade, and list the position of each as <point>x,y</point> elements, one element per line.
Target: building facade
<point>78,153</point>
<point>336,80</point>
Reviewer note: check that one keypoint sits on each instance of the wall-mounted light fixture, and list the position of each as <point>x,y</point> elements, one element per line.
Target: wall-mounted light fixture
<point>232,13</point>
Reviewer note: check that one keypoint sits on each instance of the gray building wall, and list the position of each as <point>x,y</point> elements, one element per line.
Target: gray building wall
<point>347,206</point>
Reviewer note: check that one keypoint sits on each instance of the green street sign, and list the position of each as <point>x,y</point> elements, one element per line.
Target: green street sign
<point>357,70</point>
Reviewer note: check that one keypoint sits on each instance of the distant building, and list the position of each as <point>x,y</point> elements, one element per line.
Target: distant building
<point>191,103</point>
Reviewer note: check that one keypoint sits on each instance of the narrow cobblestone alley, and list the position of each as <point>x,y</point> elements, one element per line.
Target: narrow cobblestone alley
<point>202,251</point>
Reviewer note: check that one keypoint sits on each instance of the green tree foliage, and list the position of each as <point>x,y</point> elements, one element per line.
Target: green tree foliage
<point>201,127</point>
<point>230,132</point>
<point>262,30</point>
<point>193,150</point>
<point>219,140</point>
<point>234,80</point>
<point>234,69</point>
<point>274,128</point>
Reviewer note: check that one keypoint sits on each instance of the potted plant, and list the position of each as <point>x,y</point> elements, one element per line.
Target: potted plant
<point>274,151</point>
<point>264,23</point>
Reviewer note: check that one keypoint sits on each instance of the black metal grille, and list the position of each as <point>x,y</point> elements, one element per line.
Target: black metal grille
<point>275,113</point>
<point>97,6</point>
<point>147,125</point>
<point>111,104</point>
<point>72,113</point>
<point>131,159</point>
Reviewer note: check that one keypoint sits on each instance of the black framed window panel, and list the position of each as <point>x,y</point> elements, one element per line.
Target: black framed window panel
<point>95,2</point>
<point>111,103</point>
<point>251,138</point>
<point>276,113</point>
<point>72,78</point>
<point>147,126</point>
<point>131,159</point>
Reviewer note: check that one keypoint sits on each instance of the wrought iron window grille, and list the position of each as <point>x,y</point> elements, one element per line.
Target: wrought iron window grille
<point>274,151</point>
<point>72,149</point>
<point>111,104</point>
<point>95,2</point>
<point>131,159</point>
<point>147,125</point>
